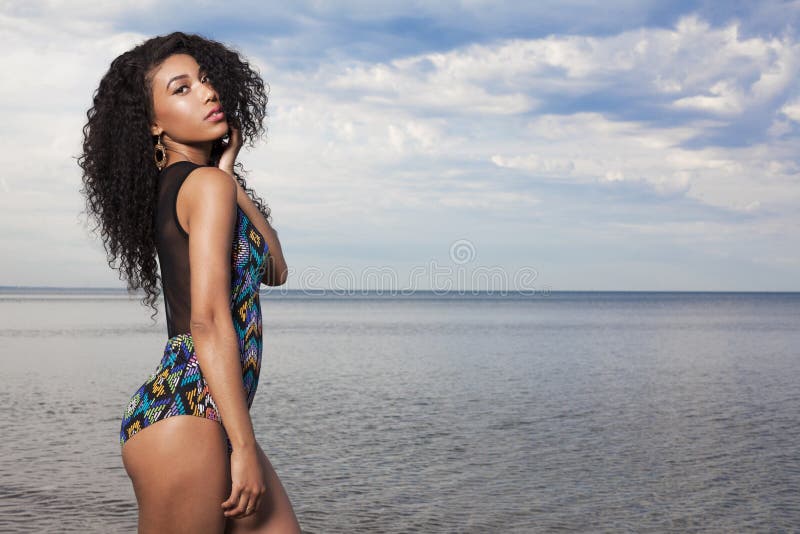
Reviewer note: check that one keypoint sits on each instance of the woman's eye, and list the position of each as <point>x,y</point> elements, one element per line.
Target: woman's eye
<point>204,79</point>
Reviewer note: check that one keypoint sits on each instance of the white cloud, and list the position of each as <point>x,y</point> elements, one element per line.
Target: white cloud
<point>792,110</point>
<point>392,86</point>
<point>537,164</point>
<point>707,69</point>
<point>725,99</point>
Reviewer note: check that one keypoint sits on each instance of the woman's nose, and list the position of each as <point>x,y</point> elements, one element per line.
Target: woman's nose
<point>211,94</point>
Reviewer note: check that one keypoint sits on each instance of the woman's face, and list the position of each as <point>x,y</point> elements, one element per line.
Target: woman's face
<point>182,98</point>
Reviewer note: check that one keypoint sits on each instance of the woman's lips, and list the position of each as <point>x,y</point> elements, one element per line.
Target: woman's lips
<point>218,116</point>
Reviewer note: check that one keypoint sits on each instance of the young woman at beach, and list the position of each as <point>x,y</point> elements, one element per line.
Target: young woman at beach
<point>167,123</point>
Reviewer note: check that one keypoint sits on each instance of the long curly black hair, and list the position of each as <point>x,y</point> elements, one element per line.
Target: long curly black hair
<point>120,176</point>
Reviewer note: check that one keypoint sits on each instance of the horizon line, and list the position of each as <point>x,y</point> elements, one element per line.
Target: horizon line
<point>343,292</point>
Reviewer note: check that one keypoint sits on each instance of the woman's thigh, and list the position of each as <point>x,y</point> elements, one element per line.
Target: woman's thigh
<point>180,472</point>
<point>275,513</point>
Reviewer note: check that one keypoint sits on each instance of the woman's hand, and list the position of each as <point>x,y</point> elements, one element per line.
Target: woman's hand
<point>232,147</point>
<point>248,483</point>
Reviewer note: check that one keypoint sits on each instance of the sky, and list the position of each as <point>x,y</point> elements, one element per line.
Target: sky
<point>539,146</point>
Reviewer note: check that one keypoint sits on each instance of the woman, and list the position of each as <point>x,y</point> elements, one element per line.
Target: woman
<point>159,178</point>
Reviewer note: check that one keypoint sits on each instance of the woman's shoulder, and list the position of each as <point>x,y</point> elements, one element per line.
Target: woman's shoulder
<point>209,182</point>
<point>207,189</point>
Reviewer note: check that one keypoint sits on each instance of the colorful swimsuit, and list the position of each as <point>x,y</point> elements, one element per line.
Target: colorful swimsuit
<point>177,386</point>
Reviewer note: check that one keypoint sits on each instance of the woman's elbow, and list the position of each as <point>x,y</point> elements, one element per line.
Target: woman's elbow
<point>278,279</point>
<point>276,275</point>
<point>282,271</point>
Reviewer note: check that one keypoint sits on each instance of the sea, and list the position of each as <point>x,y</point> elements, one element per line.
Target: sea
<point>431,412</point>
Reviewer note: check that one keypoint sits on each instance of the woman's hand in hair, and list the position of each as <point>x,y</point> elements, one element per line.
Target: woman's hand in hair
<point>232,147</point>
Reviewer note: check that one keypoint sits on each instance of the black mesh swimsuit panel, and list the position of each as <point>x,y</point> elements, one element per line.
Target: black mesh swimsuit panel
<point>172,243</point>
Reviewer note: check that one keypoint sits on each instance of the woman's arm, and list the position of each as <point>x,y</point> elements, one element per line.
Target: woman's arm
<point>211,218</point>
<point>276,271</point>
<point>214,322</point>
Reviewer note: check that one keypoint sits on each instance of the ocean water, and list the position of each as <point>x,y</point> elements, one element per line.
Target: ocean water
<point>576,412</point>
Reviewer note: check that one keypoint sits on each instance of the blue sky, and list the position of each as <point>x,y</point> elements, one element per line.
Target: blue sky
<point>559,145</point>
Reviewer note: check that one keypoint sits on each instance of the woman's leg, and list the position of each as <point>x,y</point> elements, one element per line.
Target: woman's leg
<point>275,513</point>
<point>180,472</point>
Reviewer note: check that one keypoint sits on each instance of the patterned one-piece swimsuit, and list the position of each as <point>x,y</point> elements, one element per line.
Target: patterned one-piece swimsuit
<point>177,386</point>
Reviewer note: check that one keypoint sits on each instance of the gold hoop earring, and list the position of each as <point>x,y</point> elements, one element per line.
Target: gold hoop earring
<point>161,159</point>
